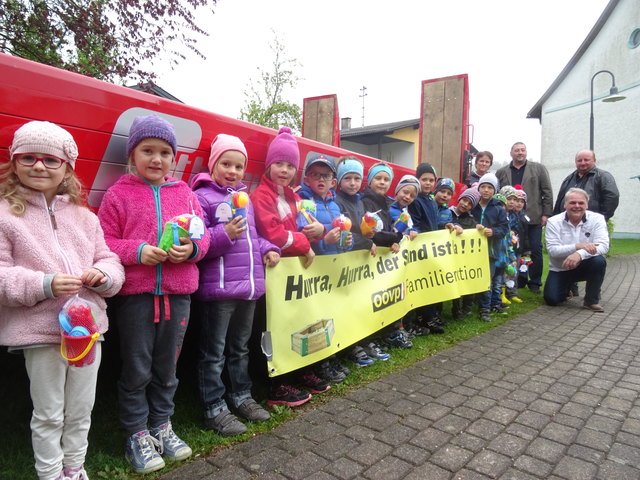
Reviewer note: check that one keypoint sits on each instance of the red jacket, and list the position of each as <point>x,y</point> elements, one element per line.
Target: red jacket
<point>275,210</point>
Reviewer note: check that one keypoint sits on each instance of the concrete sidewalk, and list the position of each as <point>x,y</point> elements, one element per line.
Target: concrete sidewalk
<point>553,394</point>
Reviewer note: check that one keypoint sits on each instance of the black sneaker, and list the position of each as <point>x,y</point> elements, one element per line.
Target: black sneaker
<point>498,310</point>
<point>399,339</point>
<point>335,363</point>
<point>485,315</point>
<point>435,325</point>
<point>310,381</point>
<point>287,395</point>
<point>329,374</point>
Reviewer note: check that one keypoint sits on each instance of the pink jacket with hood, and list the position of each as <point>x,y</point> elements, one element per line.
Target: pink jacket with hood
<point>133,214</point>
<point>65,238</point>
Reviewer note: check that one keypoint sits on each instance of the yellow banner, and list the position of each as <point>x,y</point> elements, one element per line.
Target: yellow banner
<point>341,299</point>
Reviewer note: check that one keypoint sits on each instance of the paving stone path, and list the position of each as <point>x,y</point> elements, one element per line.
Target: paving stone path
<point>552,394</point>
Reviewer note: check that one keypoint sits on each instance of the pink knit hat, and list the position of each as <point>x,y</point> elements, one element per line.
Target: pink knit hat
<point>283,148</point>
<point>223,143</point>
<point>45,137</point>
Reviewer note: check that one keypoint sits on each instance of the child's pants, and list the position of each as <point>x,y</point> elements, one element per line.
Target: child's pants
<point>63,398</point>
<point>149,353</point>
<point>225,328</point>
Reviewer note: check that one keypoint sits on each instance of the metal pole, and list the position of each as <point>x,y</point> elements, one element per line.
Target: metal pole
<point>613,84</point>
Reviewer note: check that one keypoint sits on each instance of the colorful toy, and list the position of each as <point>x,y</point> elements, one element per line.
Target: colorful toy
<point>306,213</point>
<point>510,270</point>
<point>181,226</point>
<point>239,202</point>
<point>79,332</point>
<point>403,223</point>
<point>525,261</point>
<point>371,222</point>
<point>344,224</point>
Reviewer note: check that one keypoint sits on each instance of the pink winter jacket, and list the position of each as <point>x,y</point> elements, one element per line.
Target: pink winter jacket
<point>133,214</point>
<point>38,245</point>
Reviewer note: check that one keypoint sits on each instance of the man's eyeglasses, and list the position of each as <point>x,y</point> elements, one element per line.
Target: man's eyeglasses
<point>29,160</point>
<point>321,176</point>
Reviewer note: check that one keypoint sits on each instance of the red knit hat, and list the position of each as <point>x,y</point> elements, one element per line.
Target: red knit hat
<point>283,148</point>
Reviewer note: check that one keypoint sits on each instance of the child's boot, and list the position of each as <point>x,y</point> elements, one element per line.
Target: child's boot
<point>503,296</point>
<point>516,299</point>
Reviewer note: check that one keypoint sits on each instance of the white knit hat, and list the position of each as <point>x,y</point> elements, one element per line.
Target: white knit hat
<point>45,137</point>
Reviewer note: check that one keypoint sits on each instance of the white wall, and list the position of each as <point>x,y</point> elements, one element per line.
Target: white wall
<point>400,153</point>
<point>565,114</point>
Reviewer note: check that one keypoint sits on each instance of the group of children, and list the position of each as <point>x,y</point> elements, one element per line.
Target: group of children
<point>56,249</point>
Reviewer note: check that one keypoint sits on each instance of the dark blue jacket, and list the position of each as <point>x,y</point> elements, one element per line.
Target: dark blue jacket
<point>444,216</point>
<point>351,206</point>
<point>374,202</point>
<point>424,213</point>
<point>494,216</point>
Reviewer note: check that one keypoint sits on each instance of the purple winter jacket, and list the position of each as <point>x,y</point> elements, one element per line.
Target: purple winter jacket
<point>231,269</point>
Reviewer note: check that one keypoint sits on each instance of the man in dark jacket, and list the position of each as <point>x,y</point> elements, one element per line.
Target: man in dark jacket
<point>599,184</point>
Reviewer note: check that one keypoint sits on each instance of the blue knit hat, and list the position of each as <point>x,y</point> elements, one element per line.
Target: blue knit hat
<point>377,168</point>
<point>349,165</point>
<point>151,126</point>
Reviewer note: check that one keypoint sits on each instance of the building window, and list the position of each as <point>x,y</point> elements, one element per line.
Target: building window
<point>634,39</point>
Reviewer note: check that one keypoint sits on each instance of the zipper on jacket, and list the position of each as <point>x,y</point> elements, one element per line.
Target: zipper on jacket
<point>251,279</point>
<point>156,199</point>
<point>54,227</point>
<point>221,275</point>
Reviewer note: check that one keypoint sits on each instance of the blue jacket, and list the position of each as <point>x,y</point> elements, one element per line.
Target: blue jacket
<point>444,216</point>
<point>395,210</point>
<point>495,217</point>
<point>326,210</point>
<point>424,213</point>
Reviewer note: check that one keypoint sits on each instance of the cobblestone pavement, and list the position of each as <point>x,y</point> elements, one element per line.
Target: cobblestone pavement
<point>552,394</point>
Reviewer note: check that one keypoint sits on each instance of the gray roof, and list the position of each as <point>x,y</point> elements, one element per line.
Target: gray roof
<point>536,111</point>
<point>380,129</point>
<point>154,89</point>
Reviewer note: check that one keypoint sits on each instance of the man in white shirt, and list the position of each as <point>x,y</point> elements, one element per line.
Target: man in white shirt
<point>577,240</point>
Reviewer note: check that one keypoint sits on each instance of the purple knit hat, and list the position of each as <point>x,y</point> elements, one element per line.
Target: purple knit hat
<point>283,148</point>
<point>223,143</point>
<point>151,126</point>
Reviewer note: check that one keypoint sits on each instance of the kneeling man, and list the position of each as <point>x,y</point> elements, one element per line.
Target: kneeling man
<point>577,240</point>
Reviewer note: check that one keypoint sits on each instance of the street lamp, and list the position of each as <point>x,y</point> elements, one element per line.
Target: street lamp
<point>612,97</point>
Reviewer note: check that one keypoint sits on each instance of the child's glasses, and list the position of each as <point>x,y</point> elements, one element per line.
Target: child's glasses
<point>321,176</point>
<point>50,162</point>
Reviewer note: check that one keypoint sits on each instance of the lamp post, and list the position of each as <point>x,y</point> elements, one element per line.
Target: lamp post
<point>612,97</point>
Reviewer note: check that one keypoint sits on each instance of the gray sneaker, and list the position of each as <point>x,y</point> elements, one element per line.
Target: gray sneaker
<point>226,424</point>
<point>171,446</point>
<point>141,452</point>
<point>252,411</point>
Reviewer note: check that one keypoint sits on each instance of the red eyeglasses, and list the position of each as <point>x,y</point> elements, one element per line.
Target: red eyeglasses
<point>29,160</point>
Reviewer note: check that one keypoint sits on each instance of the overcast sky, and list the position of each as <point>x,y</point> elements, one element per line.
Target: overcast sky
<point>511,49</point>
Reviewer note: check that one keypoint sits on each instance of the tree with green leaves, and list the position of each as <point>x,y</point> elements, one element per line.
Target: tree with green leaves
<point>265,104</point>
<point>110,40</point>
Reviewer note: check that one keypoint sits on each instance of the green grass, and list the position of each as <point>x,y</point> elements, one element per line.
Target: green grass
<point>105,459</point>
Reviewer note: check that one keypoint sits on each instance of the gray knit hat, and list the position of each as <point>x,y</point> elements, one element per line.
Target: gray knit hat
<point>151,126</point>
<point>45,137</point>
<point>491,179</point>
<point>408,180</point>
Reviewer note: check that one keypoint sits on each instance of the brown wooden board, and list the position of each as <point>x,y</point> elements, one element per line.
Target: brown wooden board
<point>319,118</point>
<point>442,124</point>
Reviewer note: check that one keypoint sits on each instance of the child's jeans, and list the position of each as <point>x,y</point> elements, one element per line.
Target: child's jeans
<point>63,398</point>
<point>225,323</point>
<point>491,297</point>
<point>149,352</point>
